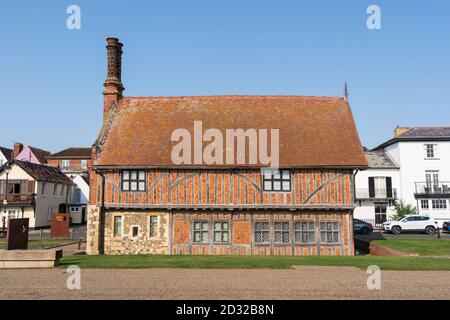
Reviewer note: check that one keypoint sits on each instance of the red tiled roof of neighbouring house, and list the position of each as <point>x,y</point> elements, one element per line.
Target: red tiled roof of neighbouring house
<point>314,131</point>
<point>45,173</point>
<point>40,154</point>
<point>71,153</point>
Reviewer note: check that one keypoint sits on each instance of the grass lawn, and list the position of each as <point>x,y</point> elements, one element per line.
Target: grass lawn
<point>252,262</point>
<point>423,247</point>
<point>41,243</point>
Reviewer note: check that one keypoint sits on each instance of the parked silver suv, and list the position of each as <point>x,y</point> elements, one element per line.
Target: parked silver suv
<point>412,223</point>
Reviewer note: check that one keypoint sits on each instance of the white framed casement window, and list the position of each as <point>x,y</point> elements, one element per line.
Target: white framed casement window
<point>134,180</point>
<point>84,164</point>
<point>380,187</point>
<point>425,204</point>
<point>431,151</point>
<point>65,164</point>
<point>432,180</point>
<point>439,204</point>
<point>276,180</point>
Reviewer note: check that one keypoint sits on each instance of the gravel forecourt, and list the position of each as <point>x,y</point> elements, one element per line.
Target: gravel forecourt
<point>300,283</point>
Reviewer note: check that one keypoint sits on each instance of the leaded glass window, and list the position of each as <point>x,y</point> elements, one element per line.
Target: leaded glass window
<point>281,232</point>
<point>262,231</point>
<point>329,232</point>
<point>221,232</point>
<point>305,232</point>
<point>201,232</point>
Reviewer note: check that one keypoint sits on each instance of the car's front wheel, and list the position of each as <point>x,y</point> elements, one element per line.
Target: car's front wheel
<point>396,230</point>
<point>430,230</point>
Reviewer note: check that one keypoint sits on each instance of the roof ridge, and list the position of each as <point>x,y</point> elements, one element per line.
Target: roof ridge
<point>235,96</point>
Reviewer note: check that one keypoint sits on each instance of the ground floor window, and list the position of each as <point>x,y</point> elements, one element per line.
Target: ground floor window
<point>262,232</point>
<point>282,232</point>
<point>153,232</point>
<point>305,232</point>
<point>221,232</point>
<point>439,204</point>
<point>329,232</point>
<point>117,226</point>
<point>425,204</point>
<point>201,232</point>
<point>380,212</point>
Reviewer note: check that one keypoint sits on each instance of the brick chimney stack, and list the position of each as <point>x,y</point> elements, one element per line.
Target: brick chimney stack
<point>18,147</point>
<point>113,83</point>
<point>398,131</point>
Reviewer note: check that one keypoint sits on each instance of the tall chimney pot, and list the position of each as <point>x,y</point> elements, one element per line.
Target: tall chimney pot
<point>113,83</point>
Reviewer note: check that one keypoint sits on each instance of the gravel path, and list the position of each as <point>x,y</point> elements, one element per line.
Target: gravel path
<point>300,283</point>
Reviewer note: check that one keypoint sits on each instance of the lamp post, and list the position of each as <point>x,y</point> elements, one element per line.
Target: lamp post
<point>5,202</point>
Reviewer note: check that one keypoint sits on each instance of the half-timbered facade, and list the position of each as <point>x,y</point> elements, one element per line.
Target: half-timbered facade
<point>141,202</point>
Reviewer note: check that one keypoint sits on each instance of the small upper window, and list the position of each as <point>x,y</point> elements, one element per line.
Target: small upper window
<point>133,180</point>
<point>277,180</point>
<point>431,151</point>
<point>83,164</point>
<point>65,164</point>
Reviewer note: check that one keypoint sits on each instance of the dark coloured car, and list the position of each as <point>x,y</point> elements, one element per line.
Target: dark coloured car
<point>361,227</point>
<point>446,226</point>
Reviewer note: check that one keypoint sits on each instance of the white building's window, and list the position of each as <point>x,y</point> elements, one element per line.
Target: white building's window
<point>380,187</point>
<point>43,188</point>
<point>432,179</point>
<point>439,204</point>
<point>425,204</point>
<point>431,151</point>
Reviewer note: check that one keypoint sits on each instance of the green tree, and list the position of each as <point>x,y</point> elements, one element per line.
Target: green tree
<point>402,209</point>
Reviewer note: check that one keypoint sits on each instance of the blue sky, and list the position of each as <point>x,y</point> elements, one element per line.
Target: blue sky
<point>51,77</point>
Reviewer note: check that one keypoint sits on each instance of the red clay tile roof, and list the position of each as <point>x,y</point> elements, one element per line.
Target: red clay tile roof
<point>84,153</point>
<point>314,131</point>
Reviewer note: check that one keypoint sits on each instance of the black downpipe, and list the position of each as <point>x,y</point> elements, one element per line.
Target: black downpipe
<point>101,240</point>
